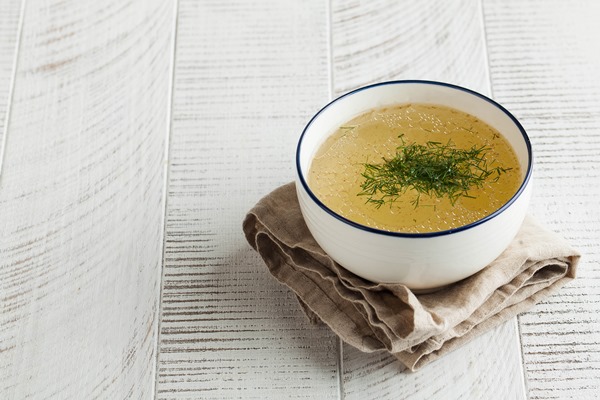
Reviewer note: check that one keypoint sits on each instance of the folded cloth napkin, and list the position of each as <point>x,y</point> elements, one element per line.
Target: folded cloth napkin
<point>416,328</point>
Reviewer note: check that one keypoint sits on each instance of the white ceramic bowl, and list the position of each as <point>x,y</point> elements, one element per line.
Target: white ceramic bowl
<point>420,261</point>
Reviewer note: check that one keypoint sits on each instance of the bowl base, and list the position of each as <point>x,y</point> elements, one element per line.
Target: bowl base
<point>429,290</point>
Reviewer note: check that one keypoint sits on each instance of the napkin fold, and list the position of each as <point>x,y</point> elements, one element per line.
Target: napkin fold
<point>416,328</point>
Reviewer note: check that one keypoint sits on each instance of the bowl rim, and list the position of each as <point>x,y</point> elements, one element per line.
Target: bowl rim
<point>425,234</point>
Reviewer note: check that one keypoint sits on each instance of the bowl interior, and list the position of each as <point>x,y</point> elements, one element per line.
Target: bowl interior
<point>348,106</point>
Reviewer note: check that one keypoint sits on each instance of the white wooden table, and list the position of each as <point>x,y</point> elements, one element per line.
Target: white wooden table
<point>136,134</point>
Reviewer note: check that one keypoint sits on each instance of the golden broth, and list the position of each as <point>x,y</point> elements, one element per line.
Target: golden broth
<point>335,172</point>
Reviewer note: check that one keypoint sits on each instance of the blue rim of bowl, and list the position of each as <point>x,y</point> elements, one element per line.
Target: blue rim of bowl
<point>426,234</point>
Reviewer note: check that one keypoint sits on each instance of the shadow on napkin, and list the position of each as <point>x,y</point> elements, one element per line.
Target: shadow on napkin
<point>416,328</point>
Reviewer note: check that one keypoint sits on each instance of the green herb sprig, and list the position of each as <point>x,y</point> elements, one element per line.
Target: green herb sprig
<point>434,169</point>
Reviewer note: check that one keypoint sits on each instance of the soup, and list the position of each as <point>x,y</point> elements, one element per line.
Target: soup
<point>415,168</point>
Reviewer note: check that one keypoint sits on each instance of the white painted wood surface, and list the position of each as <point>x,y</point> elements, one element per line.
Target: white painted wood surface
<point>122,279</point>
<point>247,77</point>
<point>81,201</point>
<point>9,32</point>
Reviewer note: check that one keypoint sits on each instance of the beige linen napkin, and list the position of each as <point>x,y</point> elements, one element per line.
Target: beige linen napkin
<point>416,328</point>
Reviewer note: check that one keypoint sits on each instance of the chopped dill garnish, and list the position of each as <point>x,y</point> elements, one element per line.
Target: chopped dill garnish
<point>434,169</point>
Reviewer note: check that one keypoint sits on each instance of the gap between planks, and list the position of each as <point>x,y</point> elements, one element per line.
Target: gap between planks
<point>165,197</point>
<point>11,88</point>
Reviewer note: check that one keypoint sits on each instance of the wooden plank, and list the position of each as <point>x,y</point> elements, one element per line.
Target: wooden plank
<point>81,200</point>
<point>374,41</point>
<point>438,40</point>
<point>247,78</point>
<point>9,33</point>
<point>545,66</point>
<point>459,375</point>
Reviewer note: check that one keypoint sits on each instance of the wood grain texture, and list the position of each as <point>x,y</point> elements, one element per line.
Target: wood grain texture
<point>437,40</point>
<point>81,201</point>
<point>545,67</point>
<point>9,31</point>
<point>82,191</point>
<point>247,78</point>
<point>459,375</point>
<point>374,41</point>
